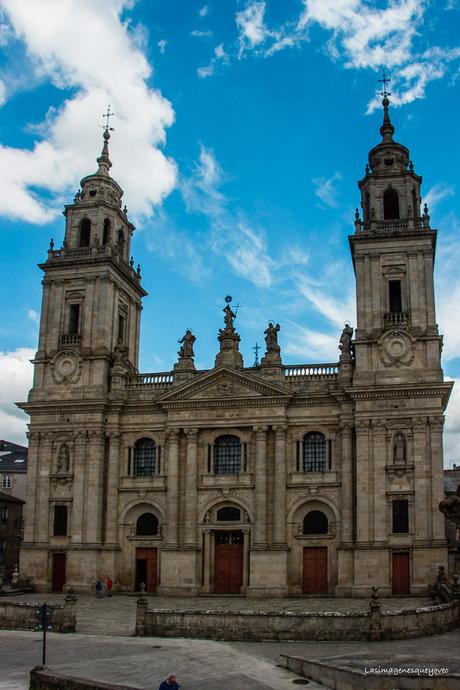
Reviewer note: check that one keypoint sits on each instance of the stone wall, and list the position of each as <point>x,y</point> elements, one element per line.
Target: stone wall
<point>42,678</point>
<point>258,625</point>
<point>15,615</point>
<point>339,678</point>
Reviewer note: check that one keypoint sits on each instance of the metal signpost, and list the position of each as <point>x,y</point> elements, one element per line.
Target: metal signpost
<point>44,617</point>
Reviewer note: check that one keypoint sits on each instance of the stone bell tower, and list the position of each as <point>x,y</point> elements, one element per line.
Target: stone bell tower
<point>393,252</point>
<point>91,294</point>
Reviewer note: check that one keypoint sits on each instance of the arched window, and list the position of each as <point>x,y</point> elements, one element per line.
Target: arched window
<point>106,232</point>
<point>84,233</point>
<point>144,457</point>
<point>390,204</point>
<point>60,521</point>
<point>314,452</point>
<point>146,525</point>
<point>315,522</point>
<point>227,455</point>
<point>228,514</point>
<point>121,244</point>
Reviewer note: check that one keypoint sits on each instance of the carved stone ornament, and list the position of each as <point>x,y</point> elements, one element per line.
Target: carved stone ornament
<point>66,367</point>
<point>397,348</point>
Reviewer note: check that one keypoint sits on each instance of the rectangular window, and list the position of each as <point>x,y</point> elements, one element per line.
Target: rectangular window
<point>400,516</point>
<point>60,521</point>
<point>394,288</point>
<point>4,514</point>
<point>7,481</point>
<point>121,329</point>
<point>74,319</point>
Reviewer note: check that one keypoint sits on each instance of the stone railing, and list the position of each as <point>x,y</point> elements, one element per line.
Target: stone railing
<point>311,372</point>
<point>15,615</point>
<point>160,380</point>
<point>94,252</point>
<point>41,678</point>
<point>70,339</point>
<point>287,625</point>
<point>396,225</point>
<point>399,318</point>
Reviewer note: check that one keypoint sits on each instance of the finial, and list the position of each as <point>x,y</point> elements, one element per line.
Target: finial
<point>256,349</point>
<point>125,210</point>
<point>387,129</point>
<point>356,214</point>
<point>104,160</point>
<point>411,166</point>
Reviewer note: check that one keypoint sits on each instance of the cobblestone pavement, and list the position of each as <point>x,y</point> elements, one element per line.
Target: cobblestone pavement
<point>141,662</point>
<point>117,615</point>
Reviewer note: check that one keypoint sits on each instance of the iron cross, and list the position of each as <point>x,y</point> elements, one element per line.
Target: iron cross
<point>385,80</point>
<point>107,116</point>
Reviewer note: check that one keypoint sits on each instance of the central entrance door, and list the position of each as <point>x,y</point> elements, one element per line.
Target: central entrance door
<point>146,569</point>
<point>401,573</point>
<point>315,570</point>
<point>228,562</point>
<point>58,574</point>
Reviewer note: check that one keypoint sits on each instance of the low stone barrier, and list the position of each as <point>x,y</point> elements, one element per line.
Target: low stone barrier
<point>41,678</point>
<point>18,615</point>
<point>339,678</point>
<point>285,625</point>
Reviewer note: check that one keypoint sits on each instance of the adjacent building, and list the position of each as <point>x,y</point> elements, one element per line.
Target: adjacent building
<point>13,469</point>
<point>272,480</point>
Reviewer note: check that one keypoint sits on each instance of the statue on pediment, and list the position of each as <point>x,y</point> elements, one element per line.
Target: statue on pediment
<point>229,317</point>
<point>345,344</point>
<point>271,338</point>
<point>186,345</point>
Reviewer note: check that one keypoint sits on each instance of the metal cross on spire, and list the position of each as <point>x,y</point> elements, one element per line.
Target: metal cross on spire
<point>256,349</point>
<point>107,117</point>
<point>385,80</point>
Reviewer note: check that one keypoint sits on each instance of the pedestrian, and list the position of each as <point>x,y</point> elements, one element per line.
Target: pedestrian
<point>170,683</point>
<point>99,588</point>
<point>109,586</point>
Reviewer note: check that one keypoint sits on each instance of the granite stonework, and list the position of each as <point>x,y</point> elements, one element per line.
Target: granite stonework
<point>271,480</point>
<point>20,615</point>
<point>42,678</point>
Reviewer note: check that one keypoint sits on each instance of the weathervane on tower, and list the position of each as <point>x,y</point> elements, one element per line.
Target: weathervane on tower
<point>107,117</point>
<point>385,80</point>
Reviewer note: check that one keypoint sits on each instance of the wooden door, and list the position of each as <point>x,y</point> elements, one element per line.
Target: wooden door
<point>315,570</point>
<point>58,574</point>
<point>228,567</point>
<point>146,569</point>
<point>401,573</point>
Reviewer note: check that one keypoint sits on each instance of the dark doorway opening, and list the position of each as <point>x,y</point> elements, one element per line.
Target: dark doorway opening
<point>401,573</point>
<point>58,572</point>
<point>146,569</point>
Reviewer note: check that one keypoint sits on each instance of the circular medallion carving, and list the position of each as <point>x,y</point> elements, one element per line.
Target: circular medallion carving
<point>397,348</point>
<point>66,367</point>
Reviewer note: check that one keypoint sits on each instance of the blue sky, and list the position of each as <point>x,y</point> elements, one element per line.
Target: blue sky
<point>241,129</point>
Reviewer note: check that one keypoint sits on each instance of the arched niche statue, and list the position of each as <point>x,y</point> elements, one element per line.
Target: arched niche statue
<point>399,449</point>
<point>63,461</point>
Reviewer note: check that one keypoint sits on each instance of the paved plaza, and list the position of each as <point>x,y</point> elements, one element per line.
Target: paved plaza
<point>104,648</point>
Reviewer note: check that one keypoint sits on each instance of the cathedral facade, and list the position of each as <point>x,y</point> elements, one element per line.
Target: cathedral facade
<point>271,480</point>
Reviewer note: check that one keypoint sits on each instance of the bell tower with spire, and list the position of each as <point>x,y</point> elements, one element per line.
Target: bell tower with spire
<point>91,293</point>
<point>393,252</point>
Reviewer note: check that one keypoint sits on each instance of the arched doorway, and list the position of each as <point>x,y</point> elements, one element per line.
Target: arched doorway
<point>315,577</point>
<point>146,557</point>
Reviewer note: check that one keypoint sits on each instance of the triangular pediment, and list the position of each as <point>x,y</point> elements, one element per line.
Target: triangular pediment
<point>225,384</point>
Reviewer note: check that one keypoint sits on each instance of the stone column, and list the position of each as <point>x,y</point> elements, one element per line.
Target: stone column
<point>260,527</point>
<point>428,260</point>
<point>362,480</point>
<point>111,516</point>
<point>191,493</point>
<point>30,518</point>
<point>172,507</point>
<point>43,507</point>
<point>346,523</point>
<point>96,452</point>
<point>437,478</point>
<point>377,490</point>
<point>422,481</point>
<point>78,489</point>
<point>246,536</point>
<point>279,492</point>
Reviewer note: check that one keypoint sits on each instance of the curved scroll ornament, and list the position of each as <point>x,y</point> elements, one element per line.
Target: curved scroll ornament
<point>66,367</point>
<point>397,348</point>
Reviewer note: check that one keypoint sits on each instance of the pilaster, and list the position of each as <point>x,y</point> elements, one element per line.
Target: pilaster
<point>191,494</point>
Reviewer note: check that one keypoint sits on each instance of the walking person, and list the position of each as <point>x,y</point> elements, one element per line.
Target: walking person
<point>170,683</point>
<point>99,588</point>
<point>109,586</point>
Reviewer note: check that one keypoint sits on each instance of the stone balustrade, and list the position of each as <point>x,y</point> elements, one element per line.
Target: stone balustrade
<point>311,372</point>
<point>158,380</point>
<point>15,615</point>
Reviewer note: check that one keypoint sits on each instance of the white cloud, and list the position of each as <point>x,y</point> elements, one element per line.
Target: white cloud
<point>203,11</point>
<point>311,346</point>
<point>436,194</point>
<point>251,26</point>
<point>204,72</point>
<point>336,309</point>
<point>452,427</point>
<point>15,381</point>
<point>103,66</point>
<point>326,189</point>
<point>2,93</point>
<point>32,315</point>
<point>220,56</point>
<point>162,45</point>
<point>202,34</point>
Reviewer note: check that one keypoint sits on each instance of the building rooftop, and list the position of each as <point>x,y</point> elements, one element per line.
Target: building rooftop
<point>13,457</point>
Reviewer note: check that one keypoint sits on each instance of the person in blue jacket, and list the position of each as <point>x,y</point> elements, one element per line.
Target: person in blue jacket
<point>170,683</point>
